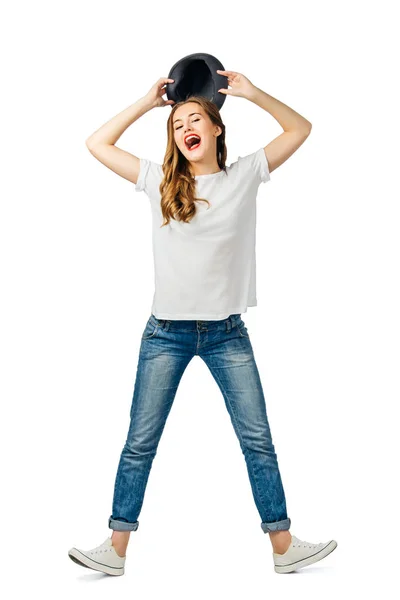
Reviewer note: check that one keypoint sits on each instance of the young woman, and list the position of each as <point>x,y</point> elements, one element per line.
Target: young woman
<point>204,217</point>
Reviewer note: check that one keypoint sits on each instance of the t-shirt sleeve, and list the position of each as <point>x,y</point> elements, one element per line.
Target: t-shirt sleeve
<point>257,164</point>
<point>150,177</point>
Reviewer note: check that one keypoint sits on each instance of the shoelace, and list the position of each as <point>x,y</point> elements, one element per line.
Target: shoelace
<point>101,548</point>
<point>303,543</point>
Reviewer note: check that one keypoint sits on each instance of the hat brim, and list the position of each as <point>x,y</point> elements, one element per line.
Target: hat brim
<point>196,75</point>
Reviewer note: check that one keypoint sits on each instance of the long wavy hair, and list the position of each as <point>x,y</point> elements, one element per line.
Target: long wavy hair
<point>177,188</point>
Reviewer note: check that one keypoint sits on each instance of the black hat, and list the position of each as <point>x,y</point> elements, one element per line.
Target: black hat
<point>196,75</point>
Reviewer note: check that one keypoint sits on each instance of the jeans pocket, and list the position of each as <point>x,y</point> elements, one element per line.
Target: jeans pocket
<point>150,330</point>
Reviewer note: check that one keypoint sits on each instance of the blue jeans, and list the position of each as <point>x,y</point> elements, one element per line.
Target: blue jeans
<point>167,347</point>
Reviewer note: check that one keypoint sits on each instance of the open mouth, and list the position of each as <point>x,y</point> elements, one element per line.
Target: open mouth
<point>192,142</point>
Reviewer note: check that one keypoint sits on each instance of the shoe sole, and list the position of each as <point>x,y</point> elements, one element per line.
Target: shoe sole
<point>84,561</point>
<point>307,561</point>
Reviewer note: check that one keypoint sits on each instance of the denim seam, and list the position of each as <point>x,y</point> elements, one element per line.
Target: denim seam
<point>240,435</point>
<point>199,331</point>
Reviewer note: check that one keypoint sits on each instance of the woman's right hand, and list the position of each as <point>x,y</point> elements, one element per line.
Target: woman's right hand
<point>154,95</point>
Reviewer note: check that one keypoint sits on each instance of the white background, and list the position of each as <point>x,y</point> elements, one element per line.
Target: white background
<point>77,286</point>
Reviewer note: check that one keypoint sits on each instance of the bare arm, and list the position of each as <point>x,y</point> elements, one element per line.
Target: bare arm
<point>113,129</point>
<point>296,128</point>
<point>102,142</point>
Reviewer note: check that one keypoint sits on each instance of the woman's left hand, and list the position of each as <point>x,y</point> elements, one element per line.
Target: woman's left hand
<point>240,85</point>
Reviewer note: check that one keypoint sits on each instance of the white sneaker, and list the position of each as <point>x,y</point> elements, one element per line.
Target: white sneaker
<point>300,554</point>
<point>102,558</point>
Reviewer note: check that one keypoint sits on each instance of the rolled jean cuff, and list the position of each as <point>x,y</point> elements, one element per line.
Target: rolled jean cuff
<point>117,525</point>
<point>276,526</point>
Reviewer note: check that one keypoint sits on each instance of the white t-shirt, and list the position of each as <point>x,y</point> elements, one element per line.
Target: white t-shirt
<point>206,269</point>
